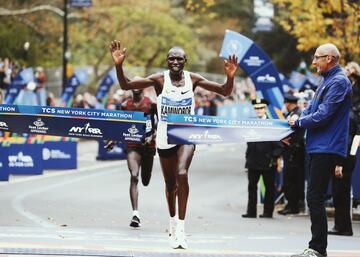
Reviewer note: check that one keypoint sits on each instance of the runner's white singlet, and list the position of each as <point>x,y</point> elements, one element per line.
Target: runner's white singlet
<point>178,100</point>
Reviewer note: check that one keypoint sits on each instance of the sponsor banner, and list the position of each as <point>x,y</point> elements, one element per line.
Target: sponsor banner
<point>256,63</point>
<point>59,155</point>
<point>196,129</point>
<point>117,153</point>
<point>74,122</point>
<point>24,159</point>
<point>4,172</point>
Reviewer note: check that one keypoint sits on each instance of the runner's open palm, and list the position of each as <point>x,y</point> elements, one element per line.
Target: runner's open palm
<point>231,66</point>
<point>117,53</point>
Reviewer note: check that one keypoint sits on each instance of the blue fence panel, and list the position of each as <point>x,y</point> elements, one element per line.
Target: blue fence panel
<point>24,159</point>
<point>60,155</point>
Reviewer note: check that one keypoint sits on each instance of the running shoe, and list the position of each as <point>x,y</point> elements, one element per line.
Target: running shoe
<point>135,222</point>
<point>172,238</point>
<point>181,239</point>
<point>309,253</point>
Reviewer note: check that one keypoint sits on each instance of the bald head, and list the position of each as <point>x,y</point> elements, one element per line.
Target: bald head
<point>329,49</point>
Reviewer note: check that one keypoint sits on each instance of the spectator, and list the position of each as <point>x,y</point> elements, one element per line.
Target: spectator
<point>352,70</point>
<point>40,79</point>
<point>341,183</point>
<point>326,121</point>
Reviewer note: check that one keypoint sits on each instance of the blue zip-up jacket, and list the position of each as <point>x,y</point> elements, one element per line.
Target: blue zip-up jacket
<point>326,119</point>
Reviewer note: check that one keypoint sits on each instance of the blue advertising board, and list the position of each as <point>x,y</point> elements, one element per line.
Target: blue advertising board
<point>117,153</point>
<point>4,172</point>
<point>59,155</point>
<point>24,159</point>
<point>356,177</point>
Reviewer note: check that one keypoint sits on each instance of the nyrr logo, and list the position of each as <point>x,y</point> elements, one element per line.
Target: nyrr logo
<point>206,136</point>
<point>20,160</point>
<point>87,130</point>
<point>3,125</point>
<point>266,79</point>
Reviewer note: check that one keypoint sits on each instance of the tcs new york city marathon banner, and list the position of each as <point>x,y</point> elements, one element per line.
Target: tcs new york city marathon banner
<point>74,122</point>
<point>198,129</point>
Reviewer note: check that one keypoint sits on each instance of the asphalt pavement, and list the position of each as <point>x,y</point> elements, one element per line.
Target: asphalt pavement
<point>86,212</point>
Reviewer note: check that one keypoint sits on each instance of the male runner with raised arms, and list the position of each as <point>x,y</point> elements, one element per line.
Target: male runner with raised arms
<point>175,94</point>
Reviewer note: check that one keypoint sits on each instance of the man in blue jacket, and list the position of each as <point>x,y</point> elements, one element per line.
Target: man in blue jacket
<point>326,121</point>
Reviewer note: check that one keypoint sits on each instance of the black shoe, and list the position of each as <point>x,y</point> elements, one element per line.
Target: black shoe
<point>266,215</point>
<point>135,222</point>
<point>287,211</point>
<point>339,233</point>
<point>248,215</point>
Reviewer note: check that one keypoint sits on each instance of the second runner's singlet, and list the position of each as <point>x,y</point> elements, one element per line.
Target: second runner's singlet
<point>176,100</point>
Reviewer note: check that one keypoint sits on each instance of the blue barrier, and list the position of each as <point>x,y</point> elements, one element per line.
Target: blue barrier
<point>4,172</point>
<point>59,155</point>
<point>118,153</point>
<point>356,178</point>
<point>24,159</point>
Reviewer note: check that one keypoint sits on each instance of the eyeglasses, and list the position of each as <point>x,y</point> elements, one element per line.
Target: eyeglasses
<point>178,59</point>
<point>259,108</point>
<point>317,57</point>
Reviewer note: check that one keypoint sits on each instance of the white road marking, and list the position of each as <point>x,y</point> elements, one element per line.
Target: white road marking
<point>19,207</point>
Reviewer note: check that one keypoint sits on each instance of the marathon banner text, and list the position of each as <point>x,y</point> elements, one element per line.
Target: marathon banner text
<point>73,122</point>
<point>197,129</point>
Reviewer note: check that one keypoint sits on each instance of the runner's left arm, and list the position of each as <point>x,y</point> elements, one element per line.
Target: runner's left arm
<point>225,89</point>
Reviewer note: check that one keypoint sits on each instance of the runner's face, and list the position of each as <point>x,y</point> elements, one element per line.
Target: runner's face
<point>176,60</point>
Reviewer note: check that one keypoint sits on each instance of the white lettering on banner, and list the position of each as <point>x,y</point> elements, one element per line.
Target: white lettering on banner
<point>254,61</point>
<point>20,160</point>
<point>39,127</point>
<point>54,154</point>
<point>48,110</point>
<point>251,135</point>
<point>85,131</point>
<point>62,111</point>
<point>206,136</point>
<point>3,126</point>
<point>266,79</point>
<point>190,119</point>
<point>133,134</point>
<point>116,115</point>
<point>7,108</point>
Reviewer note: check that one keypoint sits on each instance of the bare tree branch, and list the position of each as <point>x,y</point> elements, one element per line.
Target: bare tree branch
<point>58,11</point>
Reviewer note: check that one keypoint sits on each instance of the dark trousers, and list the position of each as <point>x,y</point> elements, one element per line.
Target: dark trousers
<point>342,197</point>
<point>294,184</point>
<point>321,168</point>
<point>269,181</point>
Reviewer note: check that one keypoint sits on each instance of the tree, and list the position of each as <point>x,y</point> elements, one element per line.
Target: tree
<point>314,22</point>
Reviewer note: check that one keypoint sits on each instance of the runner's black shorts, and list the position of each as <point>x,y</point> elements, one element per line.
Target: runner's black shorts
<point>166,153</point>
